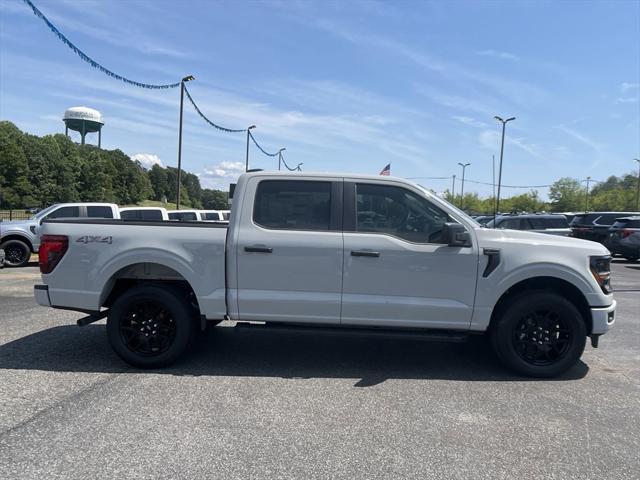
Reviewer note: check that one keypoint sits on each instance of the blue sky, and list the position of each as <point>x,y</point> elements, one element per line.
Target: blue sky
<point>345,86</point>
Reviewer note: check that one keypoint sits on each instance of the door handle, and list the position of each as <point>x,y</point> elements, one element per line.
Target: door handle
<point>364,253</point>
<point>258,249</point>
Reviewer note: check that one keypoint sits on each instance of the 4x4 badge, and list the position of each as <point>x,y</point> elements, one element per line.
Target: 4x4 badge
<point>94,239</point>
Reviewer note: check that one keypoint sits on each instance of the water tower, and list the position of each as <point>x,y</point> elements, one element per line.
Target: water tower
<point>83,120</point>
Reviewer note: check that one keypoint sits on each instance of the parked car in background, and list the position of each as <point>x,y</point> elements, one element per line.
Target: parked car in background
<point>144,213</point>
<point>212,215</point>
<point>483,219</point>
<point>226,214</point>
<point>185,215</point>
<point>569,215</point>
<point>553,224</point>
<point>624,238</point>
<point>19,239</point>
<point>595,226</point>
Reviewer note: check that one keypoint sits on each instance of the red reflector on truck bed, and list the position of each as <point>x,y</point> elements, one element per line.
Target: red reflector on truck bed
<point>52,249</point>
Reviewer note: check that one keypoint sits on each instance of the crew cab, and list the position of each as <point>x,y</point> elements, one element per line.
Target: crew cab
<point>346,253</point>
<point>21,238</point>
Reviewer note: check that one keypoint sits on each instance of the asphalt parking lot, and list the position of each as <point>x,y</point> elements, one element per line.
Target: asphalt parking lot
<point>301,406</point>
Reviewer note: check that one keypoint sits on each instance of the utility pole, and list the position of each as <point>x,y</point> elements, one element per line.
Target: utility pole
<point>464,167</point>
<point>188,78</point>
<point>638,191</point>
<point>504,124</point>
<point>246,164</point>
<point>280,157</point>
<point>494,181</point>
<point>586,198</point>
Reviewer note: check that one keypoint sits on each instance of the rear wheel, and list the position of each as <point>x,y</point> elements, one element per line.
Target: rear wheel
<point>150,326</point>
<point>540,334</point>
<point>16,253</point>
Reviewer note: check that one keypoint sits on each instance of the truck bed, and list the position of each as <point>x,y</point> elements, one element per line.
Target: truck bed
<point>104,251</point>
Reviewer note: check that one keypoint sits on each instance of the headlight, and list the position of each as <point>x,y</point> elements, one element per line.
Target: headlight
<point>600,267</point>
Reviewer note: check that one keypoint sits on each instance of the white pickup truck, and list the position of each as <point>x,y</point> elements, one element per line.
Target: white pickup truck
<point>331,252</point>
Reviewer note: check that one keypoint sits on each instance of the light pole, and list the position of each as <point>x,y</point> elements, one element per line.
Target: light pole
<point>298,167</point>
<point>638,191</point>
<point>280,157</point>
<point>586,198</point>
<point>246,164</point>
<point>188,78</point>
<point>504,124</point>
<point>464,167</point>
<point>453,190</point>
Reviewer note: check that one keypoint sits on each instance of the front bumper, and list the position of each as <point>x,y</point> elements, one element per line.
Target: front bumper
<point>41,292</point>
<point>603,319</point>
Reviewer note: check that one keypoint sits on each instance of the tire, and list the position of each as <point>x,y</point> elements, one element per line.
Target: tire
<point>539,334</point>
<point>161,314</point>
<point>17,253</point>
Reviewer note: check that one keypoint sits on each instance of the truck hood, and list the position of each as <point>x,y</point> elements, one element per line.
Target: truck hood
<point>498,238</point>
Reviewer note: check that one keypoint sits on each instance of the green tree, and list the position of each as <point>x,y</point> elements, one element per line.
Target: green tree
<point>14,184</point>
<point>567,195</point>
<point>158,180</point>
<point>215,199</point>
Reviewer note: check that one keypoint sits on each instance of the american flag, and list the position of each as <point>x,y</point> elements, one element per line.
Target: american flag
<point>386,171</point>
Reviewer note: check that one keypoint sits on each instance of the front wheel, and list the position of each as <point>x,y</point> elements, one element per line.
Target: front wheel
<point>150,326</point>
<point>16,253</point>
<point>539,334</point>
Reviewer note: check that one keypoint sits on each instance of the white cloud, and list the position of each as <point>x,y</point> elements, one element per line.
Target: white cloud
<point>626,86</point>
<point>147,160</point>
<point>220,175</point>
<point>498,54</point>
<point>627,100</point>
<point>490,139</point>
<point>580,137</point>
<point>472,122</point>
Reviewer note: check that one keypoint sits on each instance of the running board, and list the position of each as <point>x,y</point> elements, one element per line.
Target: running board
<point>411,333</point>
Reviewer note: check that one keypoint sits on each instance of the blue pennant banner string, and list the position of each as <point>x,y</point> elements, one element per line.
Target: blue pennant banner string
<point>260,148</point>
<point>288,167</point>
<point>88,59</point>
<point>230,130</point>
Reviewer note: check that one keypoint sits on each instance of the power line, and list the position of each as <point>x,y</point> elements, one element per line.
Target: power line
<point>90,60</point>
<point>224,129</point>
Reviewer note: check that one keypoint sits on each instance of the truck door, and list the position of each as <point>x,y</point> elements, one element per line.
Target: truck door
<point>289,250</point>
<point>397,270</point>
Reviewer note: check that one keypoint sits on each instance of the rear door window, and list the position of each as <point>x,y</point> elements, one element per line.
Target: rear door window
<point>293,205</point>
<point>151,215</point>
<point>99,212</point>
<point>130,215</point>
<point>183,216</point>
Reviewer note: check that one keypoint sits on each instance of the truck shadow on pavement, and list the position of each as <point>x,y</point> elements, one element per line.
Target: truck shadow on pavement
<point>222,351</point>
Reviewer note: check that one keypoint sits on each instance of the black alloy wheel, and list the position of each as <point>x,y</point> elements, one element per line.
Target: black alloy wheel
<point>151,325</point>
<point>539,333</point>
<point>541,338</point>
<point>16,253</point>
<point>147,328</point>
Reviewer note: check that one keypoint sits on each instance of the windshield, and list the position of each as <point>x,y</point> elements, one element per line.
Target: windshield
<point>44,212</point>
<point>443,202</point>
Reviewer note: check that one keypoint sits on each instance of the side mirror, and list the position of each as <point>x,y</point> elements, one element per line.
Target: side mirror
<point>456,235</point>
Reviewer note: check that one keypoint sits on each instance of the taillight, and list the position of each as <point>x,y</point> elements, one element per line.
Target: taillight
<point>601,271</point>
<point>52,249</point>
<point>625,233</point>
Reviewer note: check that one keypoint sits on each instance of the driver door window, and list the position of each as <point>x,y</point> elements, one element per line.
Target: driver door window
<point>398,212</point>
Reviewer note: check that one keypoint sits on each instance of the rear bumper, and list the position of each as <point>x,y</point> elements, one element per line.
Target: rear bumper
<point>603,319</point>
<point>41,292</point>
